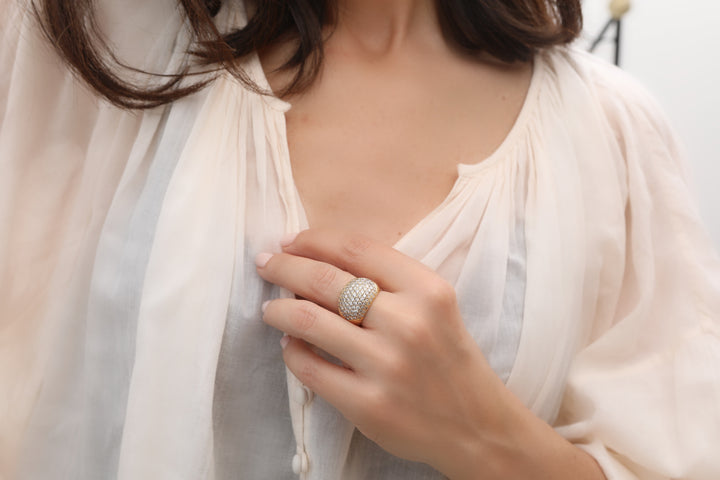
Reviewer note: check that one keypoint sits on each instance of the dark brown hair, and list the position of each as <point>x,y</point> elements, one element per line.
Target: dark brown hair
<point>510,30</point>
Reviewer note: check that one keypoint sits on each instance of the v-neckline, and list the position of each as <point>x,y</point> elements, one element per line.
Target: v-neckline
<point>465,171</point>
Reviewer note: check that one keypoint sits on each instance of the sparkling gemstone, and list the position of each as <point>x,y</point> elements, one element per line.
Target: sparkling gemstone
<point>356,298</point>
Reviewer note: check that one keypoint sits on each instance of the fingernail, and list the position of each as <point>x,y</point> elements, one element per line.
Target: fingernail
<point>264,306</point>
<point>262,259</point>
<point>287,239</point>
<point>284,341</point>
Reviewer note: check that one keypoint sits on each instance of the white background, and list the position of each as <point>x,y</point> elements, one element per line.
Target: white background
<point>673,47</point>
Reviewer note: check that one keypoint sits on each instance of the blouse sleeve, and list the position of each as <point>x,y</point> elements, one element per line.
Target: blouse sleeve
<point>46,122</point>
<point>643,397</point>
<point>63,154</point>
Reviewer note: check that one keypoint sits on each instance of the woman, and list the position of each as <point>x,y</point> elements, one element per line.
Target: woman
<point>548,269</point>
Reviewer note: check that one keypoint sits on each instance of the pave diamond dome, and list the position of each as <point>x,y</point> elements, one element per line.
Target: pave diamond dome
<point>356,298</point>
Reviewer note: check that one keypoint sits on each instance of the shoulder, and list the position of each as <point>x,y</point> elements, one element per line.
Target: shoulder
<point>584,80</point>
<point>605,109</point>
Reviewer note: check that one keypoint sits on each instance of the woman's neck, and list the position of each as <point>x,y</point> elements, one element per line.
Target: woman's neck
<point>380,27</point>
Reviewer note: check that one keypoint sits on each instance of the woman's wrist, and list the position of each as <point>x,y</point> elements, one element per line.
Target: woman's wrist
<point>541,453</point>
<point>527,447</point>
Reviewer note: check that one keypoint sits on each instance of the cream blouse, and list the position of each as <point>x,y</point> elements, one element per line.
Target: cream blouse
<point>131,344</point>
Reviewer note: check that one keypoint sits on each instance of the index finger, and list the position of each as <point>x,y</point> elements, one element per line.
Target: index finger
<point>361,256</point>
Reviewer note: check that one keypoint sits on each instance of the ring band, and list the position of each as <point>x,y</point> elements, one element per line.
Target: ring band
<point>355,299</point>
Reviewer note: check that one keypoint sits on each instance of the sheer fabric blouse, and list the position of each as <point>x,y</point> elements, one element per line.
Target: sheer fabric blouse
<point>131,344</point>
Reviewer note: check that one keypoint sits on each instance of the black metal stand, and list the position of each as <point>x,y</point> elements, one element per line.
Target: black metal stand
<point>618,36</point>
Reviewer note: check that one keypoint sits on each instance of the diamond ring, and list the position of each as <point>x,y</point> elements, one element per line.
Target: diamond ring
<point>356,298</point>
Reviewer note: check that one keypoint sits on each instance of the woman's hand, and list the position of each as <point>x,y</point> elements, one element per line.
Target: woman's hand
<point>413,380</point>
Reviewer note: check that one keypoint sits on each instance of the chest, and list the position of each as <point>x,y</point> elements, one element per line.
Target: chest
<point>376,151</point>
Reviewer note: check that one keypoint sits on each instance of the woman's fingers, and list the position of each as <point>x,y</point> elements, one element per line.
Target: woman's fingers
<point>305,269</point>
<point>316,325</point>
<point>362,257</point>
